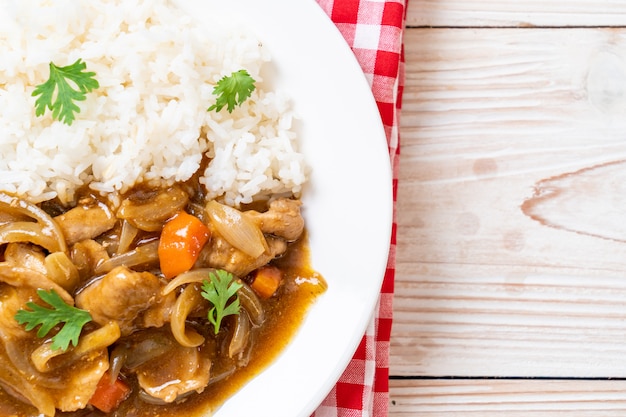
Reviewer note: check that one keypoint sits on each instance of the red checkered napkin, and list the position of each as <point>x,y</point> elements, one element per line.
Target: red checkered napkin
<point>374,30</point>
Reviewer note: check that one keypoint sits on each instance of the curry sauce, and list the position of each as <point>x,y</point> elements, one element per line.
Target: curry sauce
<point>285,311</point>
<point>149,345</point>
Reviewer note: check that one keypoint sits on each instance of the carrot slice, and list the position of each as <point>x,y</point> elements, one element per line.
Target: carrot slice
<point>182,239</point>
<point>266,281</point>
<point>109,394</point>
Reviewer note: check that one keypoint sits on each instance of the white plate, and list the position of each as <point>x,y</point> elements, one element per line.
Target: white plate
<point>347,205</point>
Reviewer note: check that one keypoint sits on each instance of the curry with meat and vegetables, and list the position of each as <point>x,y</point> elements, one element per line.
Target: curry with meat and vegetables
<point>156,303</point>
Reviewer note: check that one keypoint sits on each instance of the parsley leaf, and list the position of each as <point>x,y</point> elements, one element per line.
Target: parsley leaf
<point>219,290</point>
<point>73,318</point>
<point>233,90</point>
<point>62,104</point>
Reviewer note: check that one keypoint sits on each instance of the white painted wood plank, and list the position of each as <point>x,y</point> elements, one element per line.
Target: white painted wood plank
<point>485,286</point>
<point>516,398</point>
<point>511,13</point>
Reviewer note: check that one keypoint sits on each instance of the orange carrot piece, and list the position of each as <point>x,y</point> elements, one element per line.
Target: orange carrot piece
<point>182,239</point>
<point>109,394</point>
<point>266,281</point>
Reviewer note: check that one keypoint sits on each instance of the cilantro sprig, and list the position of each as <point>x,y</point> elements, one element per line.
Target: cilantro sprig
<point>221,290</point>
<point>73,319</point>
<point>64,87</point>
<point>233,90</point>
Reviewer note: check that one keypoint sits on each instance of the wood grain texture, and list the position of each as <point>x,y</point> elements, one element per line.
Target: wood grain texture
<point>511,13</point>
<point>492,118</point>
<point>511,240</point>
<point>517,398</point>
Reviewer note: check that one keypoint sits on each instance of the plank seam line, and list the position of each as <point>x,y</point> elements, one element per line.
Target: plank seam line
<point>508,378</point>
<point>517,27</point>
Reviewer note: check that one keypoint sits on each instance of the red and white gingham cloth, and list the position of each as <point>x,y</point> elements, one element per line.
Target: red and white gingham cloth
<point>374,30</point>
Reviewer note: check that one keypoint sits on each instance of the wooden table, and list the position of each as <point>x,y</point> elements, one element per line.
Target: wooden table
<point>510,295</point>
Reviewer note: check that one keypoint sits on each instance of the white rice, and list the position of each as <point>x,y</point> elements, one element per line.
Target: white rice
<point>148,121</point>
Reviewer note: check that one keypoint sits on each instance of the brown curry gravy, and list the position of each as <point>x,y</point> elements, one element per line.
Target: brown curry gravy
<point>284,313</point>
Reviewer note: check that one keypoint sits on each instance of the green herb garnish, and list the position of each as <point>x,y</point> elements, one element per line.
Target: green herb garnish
<point>219,290</point>
<point>73,318</point>
<point>233,90</point>
<point>62,103</point>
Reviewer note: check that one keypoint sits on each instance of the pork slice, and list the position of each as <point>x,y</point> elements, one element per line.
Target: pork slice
<point>86,221</point>
<point>220,254</point>
<point>122,295</point>
<point>181,371</point>
<point>80,380</point>
<point>283,218</point>
<point>25,255</point>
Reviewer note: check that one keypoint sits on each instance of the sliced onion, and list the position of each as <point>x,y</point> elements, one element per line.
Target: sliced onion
<point>238,230</point>
<point>24,277</point>
<point>6,217</point>
<point>19,358</point>
<point>117,359</point>
<point>241,334</point>
<point>127,236</point>
<point>143,254</point>
<point>17,206</point>
<point>149,215</point>
<point>61,269</point>
<point>251,303</point>
<point>196,275</point>
<point>99,339</point>
<point>150,345</point>
<point>42,355</point>
<point>186,302</point>
<point>29,232</point>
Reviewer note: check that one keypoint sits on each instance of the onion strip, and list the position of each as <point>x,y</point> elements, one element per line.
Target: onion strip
<point>127,236</point>
<point>117,359</point>
<point>251,303</point>
<point>14,205</point>
<point>155,344</point>
<point>240,334</point>
<point>61,269</point>
<point>143,254</point>
<point>98,339</point>
<point>196,275</point>
<point>24,277</point>
<point>186,302</point>
<point>238,230</point>
<point>150,215</point>
<point>42,355</point>
<point>29,232</point>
